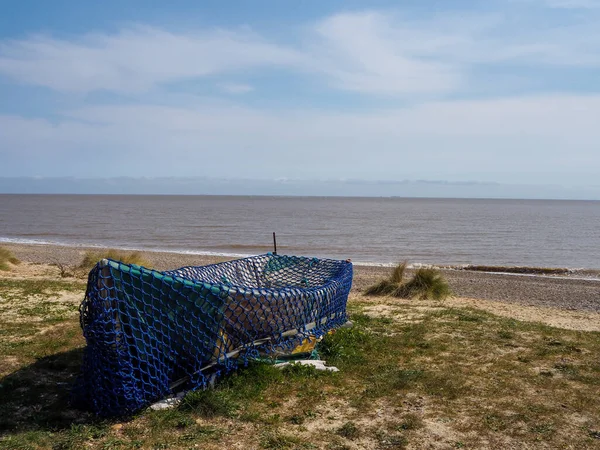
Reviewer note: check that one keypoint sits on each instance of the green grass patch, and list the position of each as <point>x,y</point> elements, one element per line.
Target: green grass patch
<point>210,403</point>
<point>280,441</point>
<point>12,289</point>
<point>478,375</point>
<point>411,421</point>
<point>346,344</point>
<point>349,431</point>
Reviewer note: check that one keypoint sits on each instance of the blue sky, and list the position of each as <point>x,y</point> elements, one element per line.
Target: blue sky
<point>491,91</point>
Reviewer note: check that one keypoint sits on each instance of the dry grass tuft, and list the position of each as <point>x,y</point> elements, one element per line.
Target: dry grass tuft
<point>387,286</point>
<point>425,284</point>
<point>91,258</point>
<point>398,273</point>
<point>7,258</point>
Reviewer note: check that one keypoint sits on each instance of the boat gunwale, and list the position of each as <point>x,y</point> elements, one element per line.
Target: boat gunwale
<point>232,287</point>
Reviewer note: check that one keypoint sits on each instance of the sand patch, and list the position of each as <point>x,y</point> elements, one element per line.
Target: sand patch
<point>436,434</point>
<point>559,318</point>
<point>28,270</point>
<point>35,309</point>
<point>398,314</point>
<point>405,310</point>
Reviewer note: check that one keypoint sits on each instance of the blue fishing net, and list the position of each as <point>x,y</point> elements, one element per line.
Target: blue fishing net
<point>150,333</point>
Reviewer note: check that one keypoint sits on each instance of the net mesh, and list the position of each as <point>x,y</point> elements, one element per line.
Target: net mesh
<point>149,333</point>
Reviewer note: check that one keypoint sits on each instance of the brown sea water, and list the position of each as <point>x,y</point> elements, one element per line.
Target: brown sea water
<point>545,233</point>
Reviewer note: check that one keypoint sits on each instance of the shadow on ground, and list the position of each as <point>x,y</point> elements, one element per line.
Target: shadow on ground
<point>37,397</point>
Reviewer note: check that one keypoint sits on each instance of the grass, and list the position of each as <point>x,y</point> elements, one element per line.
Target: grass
<point>426,283</point>
<point>7,258</point>
<point>349,430</point>
<point>387,286</point>
<point>92,257</point>
<point>29,307</point>
<point>15,289</point>
<point>461,377</point>
<point>209,403</point>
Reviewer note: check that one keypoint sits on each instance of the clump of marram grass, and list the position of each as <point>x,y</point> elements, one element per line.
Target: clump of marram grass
<point>92,257</point>
<point>7,257</point>
<point>425,284</point>
<point>388,285</point>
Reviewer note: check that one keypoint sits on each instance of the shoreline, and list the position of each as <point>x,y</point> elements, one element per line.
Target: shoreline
<point>578,273</point>
<point>558,292</point>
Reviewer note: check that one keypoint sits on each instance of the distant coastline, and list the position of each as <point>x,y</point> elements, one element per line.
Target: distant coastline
<point>407,188</point>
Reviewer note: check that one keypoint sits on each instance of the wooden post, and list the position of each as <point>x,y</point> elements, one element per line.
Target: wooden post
<point>274,244</point>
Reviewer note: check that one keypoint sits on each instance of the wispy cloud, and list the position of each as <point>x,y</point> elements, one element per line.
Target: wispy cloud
<point>368,52</point>
<point>521,138</point>
<point>235,88</point>
<point>136,59</point>
<point>355,51</point>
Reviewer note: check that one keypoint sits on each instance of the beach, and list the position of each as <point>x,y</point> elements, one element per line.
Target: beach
<point>300,226</point>
<point>573,303</point>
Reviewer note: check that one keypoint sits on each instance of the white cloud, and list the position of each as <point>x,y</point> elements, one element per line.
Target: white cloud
<point>365,52</point>
<point>517,139</point>
<point>369,52</point>
<point>135,59</point>
<point>357,52</point>
<point>464,41</point>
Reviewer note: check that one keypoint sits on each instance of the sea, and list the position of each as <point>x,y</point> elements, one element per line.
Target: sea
<point>444,232</point>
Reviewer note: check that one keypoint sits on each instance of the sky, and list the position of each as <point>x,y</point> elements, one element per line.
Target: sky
<point>316,93</point>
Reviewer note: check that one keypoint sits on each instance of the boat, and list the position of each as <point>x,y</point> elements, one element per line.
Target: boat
<point>151,333</point>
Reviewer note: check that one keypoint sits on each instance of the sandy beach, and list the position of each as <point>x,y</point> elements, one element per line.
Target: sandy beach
<point>558,301</point>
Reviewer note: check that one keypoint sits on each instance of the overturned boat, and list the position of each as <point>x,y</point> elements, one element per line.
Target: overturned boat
<point>150,333</point>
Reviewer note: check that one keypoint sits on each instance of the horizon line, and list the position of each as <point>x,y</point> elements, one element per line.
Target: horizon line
<point>293,196</point>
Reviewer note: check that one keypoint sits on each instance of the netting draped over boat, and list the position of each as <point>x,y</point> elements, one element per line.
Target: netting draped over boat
<point>150,332</point>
